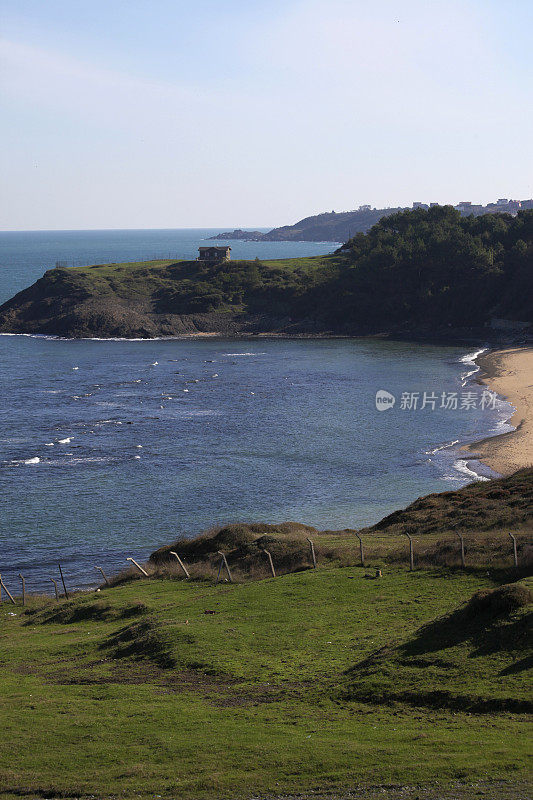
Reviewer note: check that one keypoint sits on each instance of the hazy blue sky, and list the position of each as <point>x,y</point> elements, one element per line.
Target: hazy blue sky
<point>163,113</point>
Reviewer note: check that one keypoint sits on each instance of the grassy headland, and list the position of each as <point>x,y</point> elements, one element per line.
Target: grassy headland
<point>416,271</point>
<point>412,684</point>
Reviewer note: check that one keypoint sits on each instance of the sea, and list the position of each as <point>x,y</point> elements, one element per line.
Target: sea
<point>112,448</point>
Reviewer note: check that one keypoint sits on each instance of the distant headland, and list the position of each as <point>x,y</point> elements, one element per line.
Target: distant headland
<point>335,226</point>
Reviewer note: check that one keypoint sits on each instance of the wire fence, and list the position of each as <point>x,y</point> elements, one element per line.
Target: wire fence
<point>511,554</point>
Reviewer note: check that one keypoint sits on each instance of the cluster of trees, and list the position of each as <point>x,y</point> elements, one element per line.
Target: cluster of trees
<point>417,267</point>
<point>435,266</point>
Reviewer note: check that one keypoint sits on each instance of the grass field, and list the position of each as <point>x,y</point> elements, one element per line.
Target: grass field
<point>167,688</point>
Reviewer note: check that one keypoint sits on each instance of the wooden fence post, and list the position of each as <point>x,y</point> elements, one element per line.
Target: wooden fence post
<point>23,589</point>
<point>461,539</point>
<point>104,576</point>
<point>515,552</point>
<point>63,581</point>
<point>180,562</point>
<point>411,556</point>
<point>225,563</point>
<point>138,567</point>
<point>271,563</point>
<point>361,552</point>
<point>312,547</point>
<point>2,584</point>
<point>55,587</point>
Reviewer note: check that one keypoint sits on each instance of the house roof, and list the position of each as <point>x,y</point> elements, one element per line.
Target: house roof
<point>214,248</point>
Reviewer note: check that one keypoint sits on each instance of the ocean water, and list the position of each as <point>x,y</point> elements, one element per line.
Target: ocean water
<point>110,449</point>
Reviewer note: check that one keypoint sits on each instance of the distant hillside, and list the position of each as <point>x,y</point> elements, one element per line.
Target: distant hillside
<point>415,273</point>
<point>339,227</point>
<point>327,227</point>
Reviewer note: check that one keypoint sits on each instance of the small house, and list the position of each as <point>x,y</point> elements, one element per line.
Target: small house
<point>214,255</point>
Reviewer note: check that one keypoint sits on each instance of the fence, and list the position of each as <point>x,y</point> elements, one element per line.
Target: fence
<point>508,551</point>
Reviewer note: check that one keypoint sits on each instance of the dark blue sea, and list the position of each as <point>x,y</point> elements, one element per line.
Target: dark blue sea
<point>110,449</point>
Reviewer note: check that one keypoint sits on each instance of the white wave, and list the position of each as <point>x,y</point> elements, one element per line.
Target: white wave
<point>461,465</point>
<point>441,447</point>
<point>64,441</point>
<point>75,367</point>
<point>232,355</point>
<point>49,444</point>
<point>31,335</point>
<point>470,358</point>
<point>35,460</point>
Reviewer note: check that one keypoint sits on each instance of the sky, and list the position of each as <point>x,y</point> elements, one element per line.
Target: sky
<point>171,114</point>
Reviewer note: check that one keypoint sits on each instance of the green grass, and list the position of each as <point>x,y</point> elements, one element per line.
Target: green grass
<point>136,691</point>
<point>189,286</point>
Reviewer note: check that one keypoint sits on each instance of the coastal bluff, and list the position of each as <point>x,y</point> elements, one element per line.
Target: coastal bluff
<point>422,274</point>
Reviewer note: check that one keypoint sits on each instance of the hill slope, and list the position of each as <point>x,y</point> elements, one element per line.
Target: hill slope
<point>416,271</point>
<point>480,506</point>
<point>190,690</point>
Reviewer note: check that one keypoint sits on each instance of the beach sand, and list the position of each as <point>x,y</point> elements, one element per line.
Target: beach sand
<point>510,374</point>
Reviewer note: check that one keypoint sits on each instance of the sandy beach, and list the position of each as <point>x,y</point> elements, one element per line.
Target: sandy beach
<point>510,374</point>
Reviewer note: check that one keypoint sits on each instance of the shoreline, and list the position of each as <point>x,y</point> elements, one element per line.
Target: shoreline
<point>509,373</point>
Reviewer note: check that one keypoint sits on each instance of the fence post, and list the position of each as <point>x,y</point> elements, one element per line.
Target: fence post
<point>180,562</point>
<point>312,547</point>
<point>271,563</point>
<point>138,567</point>
<point>63,581</point>
<point>411,557</point>
<point>361,552</point>
<point>225,563</point>
<point>23,589</point>
<point>515,552</point>
<point>2,584</point>
<point>461,539</point>
<point>55,587</point>
<point>103,575</point>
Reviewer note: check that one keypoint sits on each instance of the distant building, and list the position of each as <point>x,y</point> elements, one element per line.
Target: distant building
<point>364,208</point>
<point>502,201</point>
<point>214,255</point>
<point>420,205</point>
